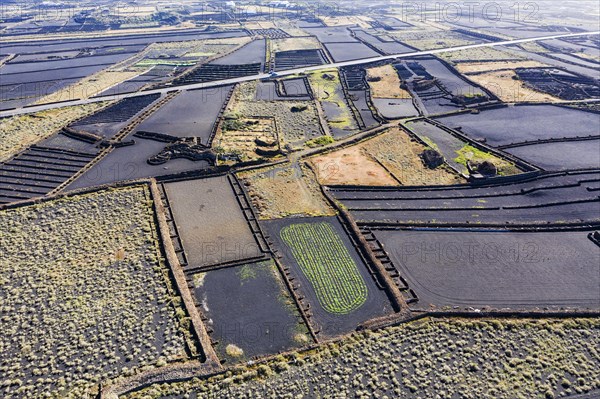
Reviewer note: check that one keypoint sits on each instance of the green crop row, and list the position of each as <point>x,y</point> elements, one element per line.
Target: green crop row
<point>328,266</point>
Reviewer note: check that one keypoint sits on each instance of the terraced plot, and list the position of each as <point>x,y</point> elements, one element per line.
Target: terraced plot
<point>553,199</point>
<point>210,72</point>
<point>327,264</point>
<point>298,58</point>
<point>112,119</point>
<point>43,167</point>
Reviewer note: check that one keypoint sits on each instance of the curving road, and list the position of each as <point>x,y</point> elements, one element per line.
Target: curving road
<point>43,107</point>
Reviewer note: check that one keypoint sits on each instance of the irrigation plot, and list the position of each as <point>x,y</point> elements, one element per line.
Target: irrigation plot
<point>326,268</point>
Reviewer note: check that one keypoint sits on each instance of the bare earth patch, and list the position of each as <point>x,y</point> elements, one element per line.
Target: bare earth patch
<point>386,160</point>
<point>283,191</point>
<point>388,85</point>
<point>504,85</point>
<point>353,166</point>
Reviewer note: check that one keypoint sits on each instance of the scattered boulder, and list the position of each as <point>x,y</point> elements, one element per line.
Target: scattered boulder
<point>486,168</point>
<point>265,142</point>
<point>298,108</point>
<point>432,159</point>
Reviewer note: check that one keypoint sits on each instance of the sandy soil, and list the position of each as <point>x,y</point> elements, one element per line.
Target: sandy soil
<point>352,166</point>
<point>502,84</point>
<point>283,191</point>
<point>389,85</point>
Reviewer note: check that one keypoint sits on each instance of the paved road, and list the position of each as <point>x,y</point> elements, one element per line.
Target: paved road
<point>36,108</point>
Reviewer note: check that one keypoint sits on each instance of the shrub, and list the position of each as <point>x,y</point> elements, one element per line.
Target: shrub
<point>320,141</point>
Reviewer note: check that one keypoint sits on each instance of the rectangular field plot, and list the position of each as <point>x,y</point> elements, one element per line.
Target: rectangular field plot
<point>332,34</point>
<point>497,268</point>
<point>249,310</point>
<point>349,51</point>
<point>252,53</point>
<point>190,114</point>
<point>210,72</point>
<point>518,124</point>
<point>210,222</point>
<point>564,155</point>
<point>43,167</point>
<point>395,108</point>
<point>330,274</point>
